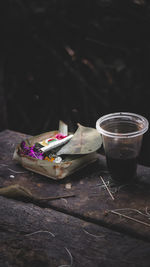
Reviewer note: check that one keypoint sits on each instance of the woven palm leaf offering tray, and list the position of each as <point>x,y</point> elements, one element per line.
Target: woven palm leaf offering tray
<point>57,154</point>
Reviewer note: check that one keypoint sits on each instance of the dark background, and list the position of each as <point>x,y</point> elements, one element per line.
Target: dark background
<point>73,60</point>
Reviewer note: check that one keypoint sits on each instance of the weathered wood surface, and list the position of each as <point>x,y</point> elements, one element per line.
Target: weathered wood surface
<point>92,200</point>
<point>32,236</point>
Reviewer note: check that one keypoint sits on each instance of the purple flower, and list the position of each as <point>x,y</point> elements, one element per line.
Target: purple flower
<point>30,151</point>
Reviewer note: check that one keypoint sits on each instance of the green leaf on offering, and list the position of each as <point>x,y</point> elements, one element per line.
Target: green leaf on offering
<point>85,140</point>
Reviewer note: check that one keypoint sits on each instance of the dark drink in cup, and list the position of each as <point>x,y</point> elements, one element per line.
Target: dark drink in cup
<point>122,135</point>
<point>122,168</point>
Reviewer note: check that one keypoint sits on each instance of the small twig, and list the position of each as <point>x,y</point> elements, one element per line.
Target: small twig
<point>71,259</point>
<point>146,210</point>
<point>130,218</point>
<point>92,234</point>
<point>15,171</point>
<point>40,231</point>
<point>103,185</point>
<point>57,197</point>
<point>138,211</point>
<point>107,188</point>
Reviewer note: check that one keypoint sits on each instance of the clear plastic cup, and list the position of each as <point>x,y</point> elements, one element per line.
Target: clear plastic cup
<point>122,135</point>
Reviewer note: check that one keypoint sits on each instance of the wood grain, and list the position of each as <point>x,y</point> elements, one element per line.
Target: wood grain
<point>33,236</point>
<point>92,200</point>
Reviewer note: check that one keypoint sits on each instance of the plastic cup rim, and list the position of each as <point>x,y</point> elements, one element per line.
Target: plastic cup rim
<point>122,135</point>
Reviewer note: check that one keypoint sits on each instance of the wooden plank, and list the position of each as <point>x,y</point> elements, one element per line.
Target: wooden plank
<point>92,200</point>
<point>31,236</point>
